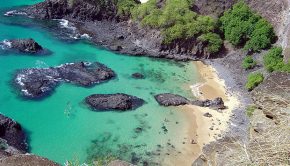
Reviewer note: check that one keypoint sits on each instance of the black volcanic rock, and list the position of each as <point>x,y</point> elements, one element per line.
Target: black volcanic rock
<point>39,82</point>
<point>167,99</point>
<point>23,45</point>
<point>217,103</point>
<point>117,101</point>
<point>78,9</point>
<point>138,76</point>
<point>12,132</point>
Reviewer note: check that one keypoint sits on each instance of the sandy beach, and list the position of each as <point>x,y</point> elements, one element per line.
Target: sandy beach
<point>202,130</point>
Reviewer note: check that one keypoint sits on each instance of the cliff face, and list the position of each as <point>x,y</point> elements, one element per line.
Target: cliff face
<point>77,9</point>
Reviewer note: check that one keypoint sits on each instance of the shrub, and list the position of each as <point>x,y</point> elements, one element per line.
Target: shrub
<point>254,79</point>
<point>213,41</point>
<point>242,27</point>
<point>125,7</point>
<point>273,60</point>
<point>248,63</point>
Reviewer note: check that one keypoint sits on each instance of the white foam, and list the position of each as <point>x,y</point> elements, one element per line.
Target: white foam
<point>14,12</point>
<point>66,24</point>
<point>19,79</point>
<point>85,36</point>
<point>7,43</point>
<point>195,89</point>
<point>26,92</point>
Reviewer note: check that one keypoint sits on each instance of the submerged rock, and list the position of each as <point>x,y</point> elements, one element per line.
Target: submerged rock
<point>138,76</point>
<point>167,99</point>
<point>24,45</point>
<point>12,133</point>
<point>39,82</point>
<point>117,101</point>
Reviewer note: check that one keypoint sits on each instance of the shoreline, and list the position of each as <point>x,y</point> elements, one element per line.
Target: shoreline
<point>201,130</point>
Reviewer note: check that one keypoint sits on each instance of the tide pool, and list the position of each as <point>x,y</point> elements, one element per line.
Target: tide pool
<point>61,127</point>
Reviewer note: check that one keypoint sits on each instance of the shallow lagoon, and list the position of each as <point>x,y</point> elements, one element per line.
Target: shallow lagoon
<point>60,127</point>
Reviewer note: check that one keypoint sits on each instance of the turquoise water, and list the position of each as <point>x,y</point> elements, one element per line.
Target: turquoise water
<point>84,134</point>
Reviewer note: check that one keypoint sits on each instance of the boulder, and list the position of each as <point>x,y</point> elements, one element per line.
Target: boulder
<point>138,76</point>
<point>23,45</point>
<point>207,115</point>
<point>117,101</point>
<point>12,133</point>
<point>216,104</point>
<point>167,99</point>
<point>39,82</point>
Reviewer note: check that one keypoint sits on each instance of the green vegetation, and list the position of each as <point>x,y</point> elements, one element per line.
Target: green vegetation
<point>254,79</point>
<point>248,63</point>
<point>213,40</point>
<point>242,27</point>
<point>273,60</point>
<point>250,110</point>
<point>177,21</point>
<point>125,7</point>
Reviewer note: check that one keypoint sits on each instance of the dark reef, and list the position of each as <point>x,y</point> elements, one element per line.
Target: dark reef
<point>117,101</point>
<point>39,82</point>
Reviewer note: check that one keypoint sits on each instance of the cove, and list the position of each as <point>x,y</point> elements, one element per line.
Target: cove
<point>61,127</point>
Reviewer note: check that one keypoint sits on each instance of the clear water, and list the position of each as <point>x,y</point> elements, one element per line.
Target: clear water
<point>85,134</point>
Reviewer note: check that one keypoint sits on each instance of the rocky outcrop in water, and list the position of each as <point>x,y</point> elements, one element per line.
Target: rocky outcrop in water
<point>39,82</point>
<point>29,46</point>
<point>117,101</point>
<point>26,160</point>
<point>12,133</point>
<point>167,99</point>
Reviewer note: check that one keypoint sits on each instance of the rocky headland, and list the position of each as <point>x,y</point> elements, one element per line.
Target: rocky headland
<point>40,82</point>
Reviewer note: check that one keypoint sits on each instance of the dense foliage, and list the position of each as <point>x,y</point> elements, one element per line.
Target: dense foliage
<point>254,79</point>
<point>242,27</point>
<point>125,7</point>
<point>248,63</point>
<point>177,21</point>
<point>273,60</point>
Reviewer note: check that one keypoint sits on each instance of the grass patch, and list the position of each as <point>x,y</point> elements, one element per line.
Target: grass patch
<point>250,110</point>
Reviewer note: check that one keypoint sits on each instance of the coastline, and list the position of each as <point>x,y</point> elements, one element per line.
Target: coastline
<point>201,130</point>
